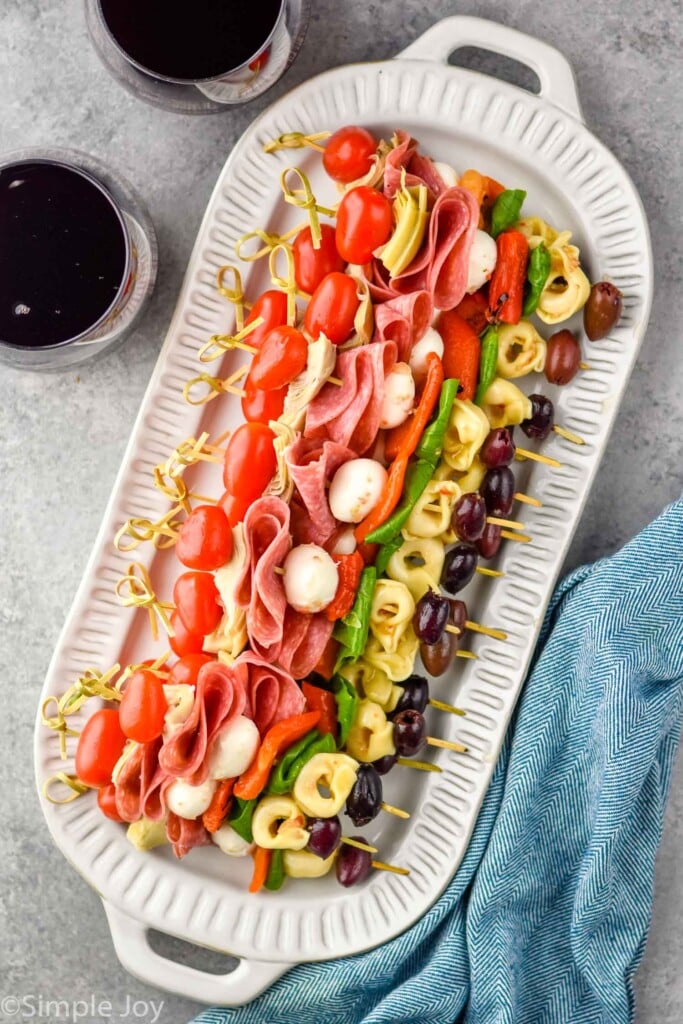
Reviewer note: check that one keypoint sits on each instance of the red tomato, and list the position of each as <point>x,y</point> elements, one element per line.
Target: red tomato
<point>312,265</point>
<point>348,154</point>
<point>259,406</point>
<point>183,642</point>
<point>186,670</point>
<point>272,306</point>
<point>196,600</point>
<point>234,508</point>
<point>100,745</point>
<point>205,540</point>
<point>364,222</point>
<point>106,801</point>
<point>143,707</point>
<point>250,461</point>
<point>281,358</point>
<point>332,308</point>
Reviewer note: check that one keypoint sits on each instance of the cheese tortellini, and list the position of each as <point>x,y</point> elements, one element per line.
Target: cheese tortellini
<point>417,563</point>
<point>504,404</point>
<point>371,736</point>
<point>465,434</point>
<point>521,350</point>
<point>473,478</point>
<point>398,664</point>
<point>373,683</point>
<point>536,230</point>
<point>431,515</point>
<point>567,288</point>
<point>391,613</point>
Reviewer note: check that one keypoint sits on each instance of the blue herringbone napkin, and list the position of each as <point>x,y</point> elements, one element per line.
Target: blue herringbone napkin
<point>546,920</point>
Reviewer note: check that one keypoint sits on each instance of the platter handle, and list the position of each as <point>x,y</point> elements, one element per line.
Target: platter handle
<point>235,988</point>
<point>558,84</point>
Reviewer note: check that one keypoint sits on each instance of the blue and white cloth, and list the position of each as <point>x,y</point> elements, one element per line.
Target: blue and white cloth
<point>546,920</point>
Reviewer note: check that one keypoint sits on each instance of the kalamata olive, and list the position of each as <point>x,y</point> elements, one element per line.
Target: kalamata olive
<point>415,692</point>
<point>602,311</point>
<point>365,799</point>
<point>489,543</point>
<point>469,516</point>
<point>353,865</point>
<point>409,733</point>
<point>430,617</point>
<point>498,491</point>
<point>383,765</point>
<point>498,448</point>
<point>458,614</point>
<point>563,355</point>
<point>542,418</point>
<point>437,657</point>
<point>459,566</point>
<point>325,837</point>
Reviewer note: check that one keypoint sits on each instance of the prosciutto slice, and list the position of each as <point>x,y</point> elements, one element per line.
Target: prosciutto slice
<point>272,693</point>
<point>311,465</point>
<point>259,589</point>
<point>220,696</point>
<point>350,414</point>
<point>441,266</point>
<point>185,834</point>
<point>139,782</point>
<point>403,320</point>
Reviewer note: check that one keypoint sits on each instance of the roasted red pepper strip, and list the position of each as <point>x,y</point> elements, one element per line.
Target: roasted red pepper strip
<point>262,858</point>
<point>328,659</point>
<point>405,438</point>
<point>349,568</point>
<point>506,287</point>
<point>217,811</point>
<point>462,350</point>
<point>251,783</point>
<point>324,702</point>
<point>473,309</point>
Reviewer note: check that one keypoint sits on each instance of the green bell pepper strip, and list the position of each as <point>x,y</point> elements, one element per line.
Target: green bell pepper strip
<point>420,472</point>
<point>506,210</point>
<point>431,442</point>
<point>537,275</point>
<point>285,774</point>
<point>351,632</point>
<point>276,871</point>
<point>240,818</point>
<point>347,701</point>
<point>488,362</point>
<point>385,553</point>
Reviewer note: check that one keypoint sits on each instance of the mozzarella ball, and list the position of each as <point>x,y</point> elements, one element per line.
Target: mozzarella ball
<point>234,749</point>
<point>355,489</point>
<point>189,801</point>
<point>448,174</point>
<point>345,543</point>
<point>310,578</point>
<point>399,396</point>
<point>483,255</point>
<point>431,341</point>
<point>230,842</point>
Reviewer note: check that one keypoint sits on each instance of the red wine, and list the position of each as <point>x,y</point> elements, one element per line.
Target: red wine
<point>63,253</point>
<point>190,39</point>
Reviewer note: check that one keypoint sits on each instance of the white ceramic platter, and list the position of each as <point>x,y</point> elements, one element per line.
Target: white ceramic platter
<point>469,120</point>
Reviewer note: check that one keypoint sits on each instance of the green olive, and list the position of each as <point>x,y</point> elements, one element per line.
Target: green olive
<point>602,311</point>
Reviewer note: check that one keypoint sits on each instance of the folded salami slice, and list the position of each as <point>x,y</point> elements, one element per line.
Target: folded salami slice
<point>220,696</point>
<point>399,157</point>
<point>422,168</point>
<point>403,320</point>
<point>259,589</point>
<point>139,776</point>
<point>272,693</point>
<point>185,834</point>
<point>310,648</point>
<point>350,414</point>
<point>312,465</point>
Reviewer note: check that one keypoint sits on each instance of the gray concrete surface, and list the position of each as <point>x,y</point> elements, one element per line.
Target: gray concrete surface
<point>63,436</point>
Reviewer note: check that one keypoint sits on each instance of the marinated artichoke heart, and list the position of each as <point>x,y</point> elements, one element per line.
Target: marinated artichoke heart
<point>145,834</point>
<point>411,214</point>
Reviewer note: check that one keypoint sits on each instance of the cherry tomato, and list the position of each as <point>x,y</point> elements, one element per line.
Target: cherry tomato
<point>183,642</point>
<point>143,707</point>
<point>332,308</point>
<point>196,600</point>
<point>312,265</point>
<point>272,306</point>
<point>100,745</point>
<point>106,801</point>
<point>250,461</point>
<point>281,358</point>
<point>348,154</point>
<point>205,540</point>
<point>186,670</point>
<point>259,406</point>
<point>235,508</point>
<point>364,222</point>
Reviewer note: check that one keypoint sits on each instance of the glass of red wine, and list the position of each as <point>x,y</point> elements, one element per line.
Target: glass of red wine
<point>78,259</point>
<point>197,57</point>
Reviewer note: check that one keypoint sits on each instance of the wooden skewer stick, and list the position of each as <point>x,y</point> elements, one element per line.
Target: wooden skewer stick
<point>442,706</point>
<point>497,634</point>
<point>511,524</point>
<point>568,435</point>
<point>381,866</point>
<point>584,366</point>
<point>483,571</point>
<point>422,766</point>
<point>359,846</point>
<point>526,499</point>
<point>279,570</point>
<point>396,811</point>
<point>434,741</point>
<point>523,538</point>
<point>467,654</point>
<point>524,453</point>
